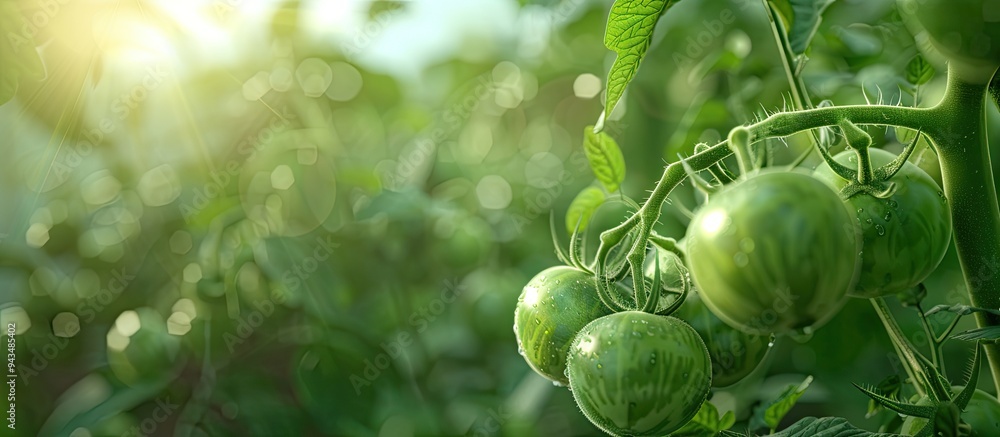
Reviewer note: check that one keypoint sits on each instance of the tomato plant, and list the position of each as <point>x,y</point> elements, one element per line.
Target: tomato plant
<point>634,373</point>
<point>777,252</point>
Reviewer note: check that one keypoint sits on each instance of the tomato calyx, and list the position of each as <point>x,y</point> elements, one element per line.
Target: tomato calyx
<point>944,409</point>
<point>866,179</point>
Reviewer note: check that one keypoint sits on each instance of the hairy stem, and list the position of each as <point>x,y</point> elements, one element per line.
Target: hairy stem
<point>960,135</point>
<point>903,347</point>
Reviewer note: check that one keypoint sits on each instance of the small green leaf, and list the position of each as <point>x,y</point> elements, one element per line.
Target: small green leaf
<point>629,34</point>
<point>779,407</point>
<point>919,71</point>
<point>605,158</point>
<point>962,310</point>
<point>582,208</point>
<point>706,423</point>
<point>801,19</point>
<point>987,334</point>
<point>826,427</point>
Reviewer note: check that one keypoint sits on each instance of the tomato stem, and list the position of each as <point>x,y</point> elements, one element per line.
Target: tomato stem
<point>935,344</point>
<point>959,131</point>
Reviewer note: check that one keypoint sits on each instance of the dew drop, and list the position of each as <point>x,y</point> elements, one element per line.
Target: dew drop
<point>888,216</point>
<point>879,229</point>
<point>599,366</point>
<point>868,220</point>
<point>557,384</point>
<point>770,341</point>
<point>538,322</point>
<point>861,210</point>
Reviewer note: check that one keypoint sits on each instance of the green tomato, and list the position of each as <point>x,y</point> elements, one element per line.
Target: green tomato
<point>982,413</point>
<point>634,373</point>
<point>905,235</point>
<point>965,32</point>
<point>776,253</point>
<point>552,308</point>
<point>734,353</point>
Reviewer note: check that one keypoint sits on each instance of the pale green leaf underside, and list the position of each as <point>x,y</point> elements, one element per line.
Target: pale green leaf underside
<point>582,208</point>
<point>605,158</point>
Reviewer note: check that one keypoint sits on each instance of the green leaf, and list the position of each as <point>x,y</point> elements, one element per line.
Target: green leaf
<point>826,427</point>
<point>919,71</point>
<point>706,423</point>
<point>778,408</point>
<point>801,19</point>
<point>629,34</point>
<point>605,158</point>
<point>989,333</point>
<point>582,208</point>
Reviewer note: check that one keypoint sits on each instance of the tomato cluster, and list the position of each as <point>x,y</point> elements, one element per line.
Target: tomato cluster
<point>631,373</point>
<point>773,252</point>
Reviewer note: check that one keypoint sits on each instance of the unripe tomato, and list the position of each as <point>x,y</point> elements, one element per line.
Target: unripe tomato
<point>553,307</point>
<point>734,353</point>
<point>982,413</point>
<point>905,235</point>
<point>776,253</point>
<point>635,373</point>
<point>965,32</point>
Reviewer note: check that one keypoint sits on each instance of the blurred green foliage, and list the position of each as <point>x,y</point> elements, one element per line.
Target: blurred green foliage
<point>236,219</point>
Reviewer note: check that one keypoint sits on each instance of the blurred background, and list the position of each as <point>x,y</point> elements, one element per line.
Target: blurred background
<point>254,217</point>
